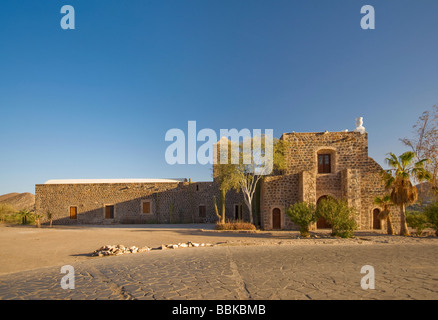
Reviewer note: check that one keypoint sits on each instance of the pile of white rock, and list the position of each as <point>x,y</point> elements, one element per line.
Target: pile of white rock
<point>184,245</point>
<point>118,249</point>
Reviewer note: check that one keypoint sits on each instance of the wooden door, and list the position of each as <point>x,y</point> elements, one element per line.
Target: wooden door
<point>376,220</point>
<point>322,224</point>
<point>109,212</point>
<point>202,211</point>
<point>276,219</point>
<point>73,213</point>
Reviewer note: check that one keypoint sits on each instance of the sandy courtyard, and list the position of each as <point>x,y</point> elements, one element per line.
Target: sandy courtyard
<point>27,247</point>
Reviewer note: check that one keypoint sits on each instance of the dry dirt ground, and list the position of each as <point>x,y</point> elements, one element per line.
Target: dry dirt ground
<point>240,266</point>
<point>27,247</point>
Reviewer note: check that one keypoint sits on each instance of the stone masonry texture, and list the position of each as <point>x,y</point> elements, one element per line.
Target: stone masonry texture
<point>354,177</point>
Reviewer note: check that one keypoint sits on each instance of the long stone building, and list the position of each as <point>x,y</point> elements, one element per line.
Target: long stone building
<point>319,164</point>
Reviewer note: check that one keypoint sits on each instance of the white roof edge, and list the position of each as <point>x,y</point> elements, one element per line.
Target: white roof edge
<point>90,181</point>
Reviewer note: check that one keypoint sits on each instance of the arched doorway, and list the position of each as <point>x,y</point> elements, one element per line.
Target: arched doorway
<point>376,221</point>
<point>276,219</point>
<point>322,223</point>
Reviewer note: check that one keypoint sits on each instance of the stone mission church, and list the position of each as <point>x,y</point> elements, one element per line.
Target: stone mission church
<point>319,164</point>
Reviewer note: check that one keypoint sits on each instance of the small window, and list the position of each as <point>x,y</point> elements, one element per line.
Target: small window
<point>73,213</point>
<point>324,163</point>
<point>109,212</point>
<point>202,211</point>
<point>146,207</point>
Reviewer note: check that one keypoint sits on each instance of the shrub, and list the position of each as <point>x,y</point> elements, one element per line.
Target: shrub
<point>302,214</point>
<point>327,209</point>
<point>344,223</point>
<point>431,213</point>
<point>339,215</point>
<point>235,225</point>
<point>417,220</point>
<point>8,213</point>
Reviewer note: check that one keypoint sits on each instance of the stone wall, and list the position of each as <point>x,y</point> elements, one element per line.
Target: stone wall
<point>170,202</point>
<point>278,192</point>
<point>354,177</point>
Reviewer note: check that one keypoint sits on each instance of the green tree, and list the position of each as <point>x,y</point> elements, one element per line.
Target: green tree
<point>398,180</point>
<point>302,214</point>
<point>339,215</point>
<point>385,202</point>
<point>6,211</point>
<point>226,177</point>
<point>249,173</point>
<point>247,163</point>
<point>417,220</point>
<point>431,213</point>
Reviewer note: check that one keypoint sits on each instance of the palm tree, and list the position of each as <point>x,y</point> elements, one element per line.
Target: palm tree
<point>385,202</point>
<point>50,217</point>
<point>25,215</point>
<point>398,180</point>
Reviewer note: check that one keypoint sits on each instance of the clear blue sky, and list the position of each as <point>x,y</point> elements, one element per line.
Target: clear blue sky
<point>96,102</point>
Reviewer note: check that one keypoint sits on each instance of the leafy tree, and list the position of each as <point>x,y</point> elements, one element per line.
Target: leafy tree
<point>249,174</point>
<point>226,176</point>
<point>417,220</point>
<point>385,202</point>
<point>398,180</point>
<point>245,167</point>
<point>302,214</point>
<point>431,213</point>
<point>6,210</point>
<point>339,215</point>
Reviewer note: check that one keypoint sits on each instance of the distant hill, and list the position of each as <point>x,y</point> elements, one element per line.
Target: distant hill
<point>19,201</point>
<point>425,193</point>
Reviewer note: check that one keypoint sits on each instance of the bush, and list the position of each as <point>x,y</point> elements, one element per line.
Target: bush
<point>431,213</point>
<point>8,213</point>
<point>417,220</point>
<point>339,215</point>
<point>302,214</point>
<point>235,225</point>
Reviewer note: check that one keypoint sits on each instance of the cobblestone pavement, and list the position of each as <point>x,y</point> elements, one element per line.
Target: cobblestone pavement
<point>241,272</point>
